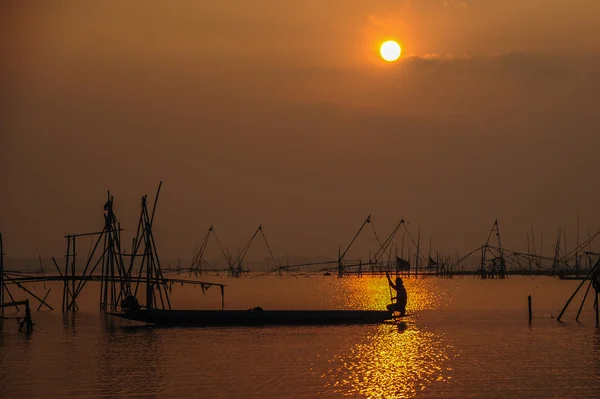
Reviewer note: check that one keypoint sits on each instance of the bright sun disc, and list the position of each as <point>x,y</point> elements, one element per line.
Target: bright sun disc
<point>390,51</point>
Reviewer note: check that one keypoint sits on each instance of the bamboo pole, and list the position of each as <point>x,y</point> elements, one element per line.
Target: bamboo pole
<point>597,315</point>
<point>597,310</point>
<point>29,292</point>
<point>1,275</point>
<point>577,290</point>
<point>529,307</point>
<point>583,301</point>
<point>66,273</point>
<point>44,299</point>
<point>72,305</point>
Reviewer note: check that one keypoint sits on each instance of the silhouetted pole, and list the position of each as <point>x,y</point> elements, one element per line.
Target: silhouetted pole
<point>342,255</point>
<point>529,306</point>
<point>591,272</point>
<point>66,273</point>
<point>583,301</point>
<point>27,291</point>
<point>418,252</point>
<point>147,254</point>
<point>43,301</point>
<point>597,315</point>
<point>72,304</point>
<point>26,324</point>
<point>1,276</point>
<point>340,268</point>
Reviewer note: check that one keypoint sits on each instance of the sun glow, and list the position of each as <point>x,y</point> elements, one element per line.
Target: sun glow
<point>390,51</point>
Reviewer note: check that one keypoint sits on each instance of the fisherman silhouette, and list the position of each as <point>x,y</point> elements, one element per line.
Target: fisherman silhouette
<point>401,297</point>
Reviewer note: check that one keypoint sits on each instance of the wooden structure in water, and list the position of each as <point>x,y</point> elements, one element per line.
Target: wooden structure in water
<point>1,276</point>
<point>25,322</point>
<point>235,263</point>
<point>125,273</point>
<point>489,261</point>
<point>11,278</point>
<point>493,263</point>
<point>122,276</point>
<point>593,280</point>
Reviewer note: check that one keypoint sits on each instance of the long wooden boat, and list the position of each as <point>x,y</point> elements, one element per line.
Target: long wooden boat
<point>255,317</point>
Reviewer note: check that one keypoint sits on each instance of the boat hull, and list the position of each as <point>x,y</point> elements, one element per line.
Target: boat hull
<point>218,318</point>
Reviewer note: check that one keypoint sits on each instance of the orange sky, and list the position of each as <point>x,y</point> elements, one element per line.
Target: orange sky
<point>283,114</point>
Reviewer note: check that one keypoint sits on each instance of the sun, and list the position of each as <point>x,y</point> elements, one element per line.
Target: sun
<point>390,51</point>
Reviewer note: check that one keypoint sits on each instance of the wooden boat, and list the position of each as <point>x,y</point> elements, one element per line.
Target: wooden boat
<point>254,317</point>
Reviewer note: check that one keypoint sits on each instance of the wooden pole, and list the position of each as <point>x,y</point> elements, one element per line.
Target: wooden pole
<point>577,290</point>
<point>340,270</point>
<point>29,292</point>
<point>148,256</point>
<point>155,203</point>
<point>1,276</point>
<point>418,252</point>
<point>583,301</point>
<point>12,299</point>
<point>222,297</point>
<point>529,306</point>
<point>342,255</point>
<point>597,315</point>
<point>42,268</point>
<point>66,282</point>
<point>44,299</point>
<point>104,268</point>
<point>72,300</point>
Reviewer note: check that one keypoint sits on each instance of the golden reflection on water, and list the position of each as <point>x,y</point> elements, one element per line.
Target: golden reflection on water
<point>392,362</point>
<point>373,293</point>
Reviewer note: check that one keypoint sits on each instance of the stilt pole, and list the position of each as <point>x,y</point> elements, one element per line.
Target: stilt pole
<point>597,314</point>
<point>529,307</point>
<point>65,300</point>
<point>71,303</point>
<point>583,301</point>
<point>577,290</point>
<point>1,276</point>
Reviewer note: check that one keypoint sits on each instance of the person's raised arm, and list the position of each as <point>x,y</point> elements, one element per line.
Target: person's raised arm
<point>390,280</point>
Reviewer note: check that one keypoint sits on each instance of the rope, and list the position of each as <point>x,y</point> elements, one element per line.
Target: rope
<point>368,220</point>
<point>387,243</point>
<point>220,246</point>
<point>197,260</point>
<point>414,243</point>
<point>269,248</point>
<point>376,236</point>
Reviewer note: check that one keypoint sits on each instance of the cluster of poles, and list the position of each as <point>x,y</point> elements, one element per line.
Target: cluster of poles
<point>494,261</point>
<point>380,261</point>
<point>593,281</point>
<point>124,275</point>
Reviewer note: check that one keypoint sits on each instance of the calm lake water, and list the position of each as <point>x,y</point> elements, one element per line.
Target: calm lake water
<point>468,338</point>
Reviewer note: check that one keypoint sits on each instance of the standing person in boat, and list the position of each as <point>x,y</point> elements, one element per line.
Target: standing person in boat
<point>401,296</point>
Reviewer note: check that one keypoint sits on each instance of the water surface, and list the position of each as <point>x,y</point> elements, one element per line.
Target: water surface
<point>468,338</point>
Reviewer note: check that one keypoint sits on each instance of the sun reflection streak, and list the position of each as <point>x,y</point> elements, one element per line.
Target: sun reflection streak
<point>373,293</point>
<point>391,364</point>
<point>392,361</point>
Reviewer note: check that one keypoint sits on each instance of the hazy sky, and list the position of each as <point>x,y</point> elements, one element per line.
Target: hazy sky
<point>283,113</point>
